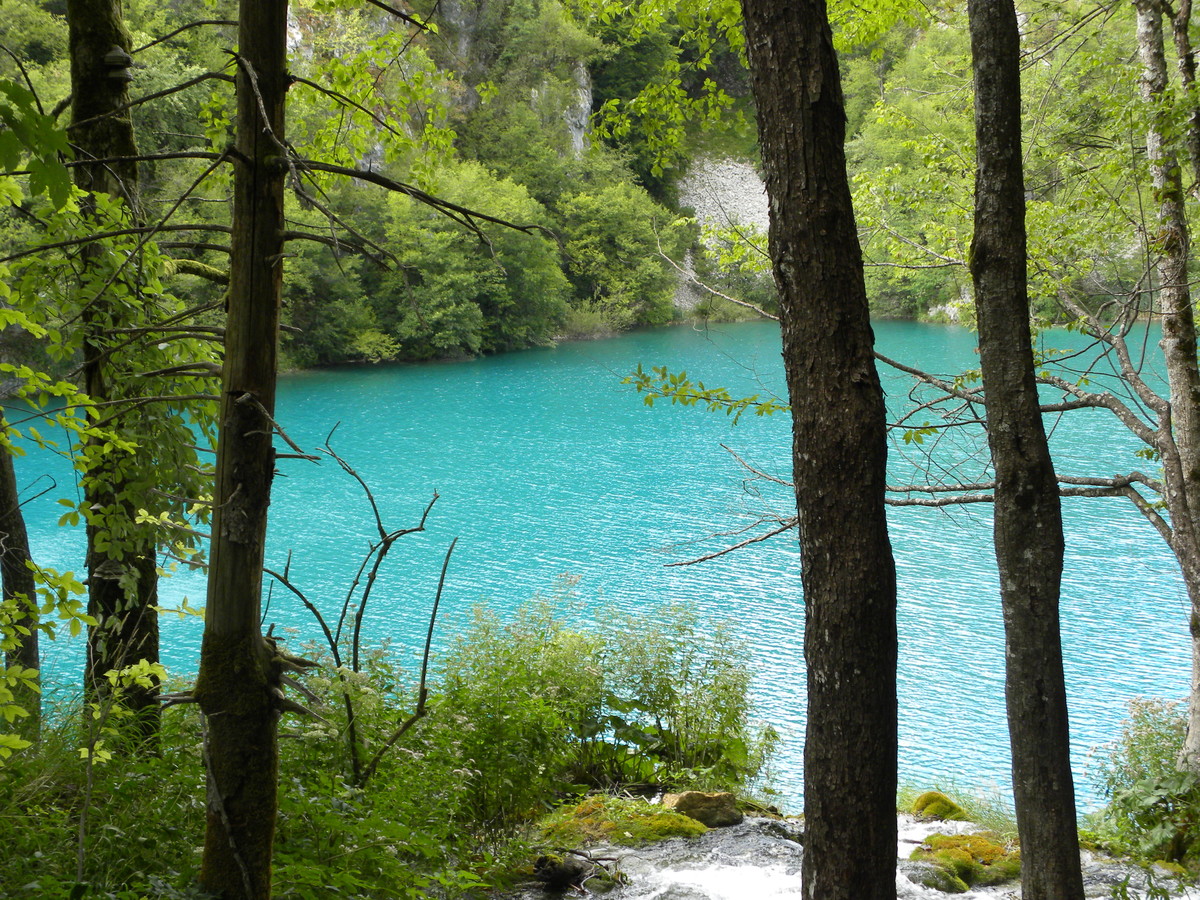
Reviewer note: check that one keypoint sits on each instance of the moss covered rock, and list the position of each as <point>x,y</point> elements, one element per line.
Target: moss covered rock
<point>935,877</point>
<point>716,810</point>
<point>978,860</point>
<point>936,805</point>
<point>616,820</point>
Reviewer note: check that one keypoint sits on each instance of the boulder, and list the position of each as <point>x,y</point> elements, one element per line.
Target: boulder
<point>714,810</point>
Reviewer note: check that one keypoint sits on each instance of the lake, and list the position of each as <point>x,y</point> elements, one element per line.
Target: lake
<point>548,469</point>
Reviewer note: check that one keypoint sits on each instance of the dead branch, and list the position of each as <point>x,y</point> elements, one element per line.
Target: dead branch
<point>787,525</point>
<point>118,232</point>
<point>468,218</point>
<point>182,28</point>
<point>402,16</point>
<point>199,79</point>
<point>422,691</point>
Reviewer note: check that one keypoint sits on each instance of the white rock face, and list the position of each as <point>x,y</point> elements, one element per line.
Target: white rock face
<point>578,115</point>
<point>725,192</point>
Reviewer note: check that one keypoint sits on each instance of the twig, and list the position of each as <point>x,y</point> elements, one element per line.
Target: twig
<point>788,525</point>
<point>422,692</point>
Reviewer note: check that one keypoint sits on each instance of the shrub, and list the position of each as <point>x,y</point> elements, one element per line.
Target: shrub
<point>1154,808</point>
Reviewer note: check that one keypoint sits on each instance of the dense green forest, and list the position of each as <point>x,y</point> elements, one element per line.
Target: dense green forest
<point>543,113</point>
<point>458,178</point>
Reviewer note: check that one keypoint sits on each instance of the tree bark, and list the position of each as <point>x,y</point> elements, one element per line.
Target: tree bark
<point>19,589</point>
<point>1180,431</point>
<point>1185,55</point>
<point>122,572</point>
<point>839,454</point>
<point>239,670</point>
<point>1028,520</point>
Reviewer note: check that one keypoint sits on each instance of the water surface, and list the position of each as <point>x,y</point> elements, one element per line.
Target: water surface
<point>547,468</point>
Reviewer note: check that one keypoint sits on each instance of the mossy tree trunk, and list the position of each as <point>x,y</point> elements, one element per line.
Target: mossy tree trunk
<point>239,674</point>
<point>1028,520</point>
<point>839,456</point>
<point>122,572</point>
<point>19,590</point>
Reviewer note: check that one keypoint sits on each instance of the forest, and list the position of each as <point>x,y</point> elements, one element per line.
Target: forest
<point>199,195</point>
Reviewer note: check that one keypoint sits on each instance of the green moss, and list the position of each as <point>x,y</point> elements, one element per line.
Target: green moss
<point>616,820</point>
<point>936,805</point>
<point>939,879</point>
<point>975,859</point>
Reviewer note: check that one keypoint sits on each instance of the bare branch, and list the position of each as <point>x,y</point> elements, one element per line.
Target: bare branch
<point>118,232</point>
<point>787,525</point>
<point>469,218</point>
<point>199,79</point>
<point>403,16</point>
<point>248,397</point>
<point>182,28</point>
<point>284,580</point>
<point>938,502</point>
<point>422,692</point>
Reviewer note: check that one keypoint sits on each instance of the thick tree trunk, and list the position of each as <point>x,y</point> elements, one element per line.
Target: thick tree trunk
<point>839,453</point>
<point>1180,435</point>
<point>122,575</point>
<point>19,589</point>
<point>239,672</point>
<point>1028,520</point>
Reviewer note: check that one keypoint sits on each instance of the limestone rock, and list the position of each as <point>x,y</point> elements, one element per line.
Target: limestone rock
<point>714,810</point>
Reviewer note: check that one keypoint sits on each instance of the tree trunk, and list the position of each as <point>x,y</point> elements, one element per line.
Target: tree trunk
<point>839,456</point>
<point>19,589</point>
<point>1028,520</point>
<point>1180,434</point>
<point>239,671</point>
<point>1180,27</point>
<point>122,573</point>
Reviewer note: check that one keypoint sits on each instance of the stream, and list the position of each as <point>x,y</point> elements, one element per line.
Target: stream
<point>760,860</point>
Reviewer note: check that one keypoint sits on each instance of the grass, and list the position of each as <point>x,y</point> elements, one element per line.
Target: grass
<point>990,812</point>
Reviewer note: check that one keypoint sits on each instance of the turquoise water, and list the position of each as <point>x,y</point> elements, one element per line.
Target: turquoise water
<point>547,467</point>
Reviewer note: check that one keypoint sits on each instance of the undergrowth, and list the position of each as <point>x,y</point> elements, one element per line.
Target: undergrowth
<point>522,713</point>
<point>1153,809</point>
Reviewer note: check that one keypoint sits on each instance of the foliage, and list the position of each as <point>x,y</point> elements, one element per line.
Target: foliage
<point>518,710</point>
<point>612,239</point>
<point>660,383</point>
<point>1154,807</point>
<point>455,293</point>
<point>1146,747</point>
<point>532,705</point>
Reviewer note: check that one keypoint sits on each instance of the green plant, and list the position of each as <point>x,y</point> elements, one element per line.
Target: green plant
<point>1159,816</point>
<point>1154,807</point>
<point>1153,890</point>
<point>1146,747</point>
